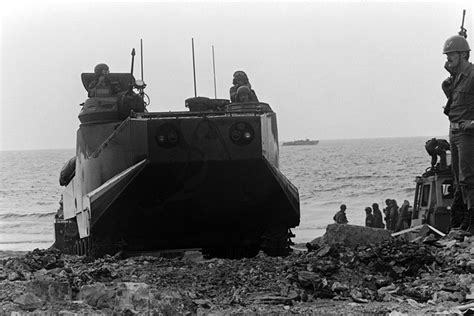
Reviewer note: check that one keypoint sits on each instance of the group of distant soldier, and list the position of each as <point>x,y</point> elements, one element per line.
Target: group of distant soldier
<point>459,91</point>
<point>396,218</point>
<point>373,216</point>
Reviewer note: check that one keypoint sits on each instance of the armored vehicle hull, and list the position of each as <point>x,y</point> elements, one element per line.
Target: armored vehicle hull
<point>200,179</point>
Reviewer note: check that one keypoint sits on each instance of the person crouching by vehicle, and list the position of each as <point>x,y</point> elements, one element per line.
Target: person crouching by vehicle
<point>437,147</point>
<point>340,217</point>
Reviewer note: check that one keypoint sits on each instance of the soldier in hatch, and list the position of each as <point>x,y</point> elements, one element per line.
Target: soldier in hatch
<point>241,80</point>
<point>101,86</point>
<point>244,94</point>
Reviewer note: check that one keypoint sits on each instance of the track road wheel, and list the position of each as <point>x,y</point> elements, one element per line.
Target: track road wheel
<point>251,251</point>
<point>82,246</point>
<point>276,241</point>
<point>78,247</point>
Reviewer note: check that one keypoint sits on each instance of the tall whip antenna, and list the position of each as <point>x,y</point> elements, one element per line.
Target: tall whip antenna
<point>131,70</point>
<point>214,70</point>
<point>141,55</point>
<point>463,31</point>
<point>194,68</point>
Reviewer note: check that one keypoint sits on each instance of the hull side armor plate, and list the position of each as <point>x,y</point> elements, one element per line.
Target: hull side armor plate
<point>288,188</point>
<point>98,201</point>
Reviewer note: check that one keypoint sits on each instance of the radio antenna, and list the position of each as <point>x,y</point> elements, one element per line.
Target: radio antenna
<point>214,71</point>
<point>463,31</point>
<point>141,55</point>
<point>131,70</point>
<point>194,68</point>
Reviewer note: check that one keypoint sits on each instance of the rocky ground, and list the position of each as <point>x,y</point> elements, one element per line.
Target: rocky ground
<point>391,277</point>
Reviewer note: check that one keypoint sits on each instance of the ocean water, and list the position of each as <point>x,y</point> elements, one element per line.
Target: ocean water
<point>354,172</point>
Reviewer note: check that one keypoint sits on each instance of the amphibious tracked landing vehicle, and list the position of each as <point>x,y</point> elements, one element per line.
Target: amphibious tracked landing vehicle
<point>205,178</point>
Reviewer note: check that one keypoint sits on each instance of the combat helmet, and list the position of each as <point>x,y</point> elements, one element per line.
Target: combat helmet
<point>239,74</point>
<point>99,68</point>
<point>456,43</point>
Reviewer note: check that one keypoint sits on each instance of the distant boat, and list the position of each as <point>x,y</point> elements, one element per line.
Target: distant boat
<point>301,142</point>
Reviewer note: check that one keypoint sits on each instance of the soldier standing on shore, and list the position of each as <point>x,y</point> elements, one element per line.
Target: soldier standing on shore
<point>460,110</point>
<point>369,218</point>
<point>378,222</point>
<point>386,212</point>
<point>403,217</point>
<point>392,215</point>
<point>340,217</point>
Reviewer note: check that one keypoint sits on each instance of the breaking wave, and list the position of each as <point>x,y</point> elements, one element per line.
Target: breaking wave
<point>26,215</point>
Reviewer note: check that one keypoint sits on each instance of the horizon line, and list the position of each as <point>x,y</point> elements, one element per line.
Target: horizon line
<point>280,141</point>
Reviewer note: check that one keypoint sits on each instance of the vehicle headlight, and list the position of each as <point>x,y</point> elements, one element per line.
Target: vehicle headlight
<point>241,133</point>
<point>167,135</point>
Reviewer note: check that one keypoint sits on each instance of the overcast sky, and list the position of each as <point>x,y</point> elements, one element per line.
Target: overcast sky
<point>330,70</point>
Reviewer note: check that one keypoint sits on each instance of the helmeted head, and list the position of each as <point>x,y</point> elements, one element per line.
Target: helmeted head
<point>375,206</point>
<point>456,49</point>
<point>456,43</point>
<point>430,145</point>
<point>240,78</point>
<point>387,202</point>
<point>101,69</point>
<point>243,94</point>
<point>368,210</point>
<point>343,207</point>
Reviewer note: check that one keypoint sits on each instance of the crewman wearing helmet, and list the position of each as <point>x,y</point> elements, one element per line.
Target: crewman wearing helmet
<point>241,80</point>
<point>101,86</point>
<point>460,110</point>
<point>244,94</point>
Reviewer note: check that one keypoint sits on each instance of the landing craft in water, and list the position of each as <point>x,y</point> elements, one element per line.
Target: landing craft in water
<point>204,178</point>
<point>301,142</point>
